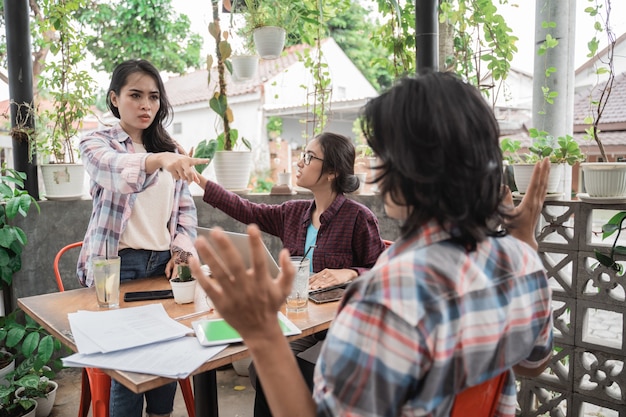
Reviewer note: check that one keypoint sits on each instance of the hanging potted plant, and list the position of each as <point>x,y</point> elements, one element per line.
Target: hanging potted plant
<point>267,23</point>
<point>232,167</point>
<point>69,91</point>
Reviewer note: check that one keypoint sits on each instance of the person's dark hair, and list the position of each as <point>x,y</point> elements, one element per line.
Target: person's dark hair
<point>339,157</point>
<point>155,137</point>
<point>436,139</point>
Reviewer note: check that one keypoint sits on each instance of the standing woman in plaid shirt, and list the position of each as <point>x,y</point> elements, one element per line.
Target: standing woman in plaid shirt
<point>142,208</point>
<point>339,235</point>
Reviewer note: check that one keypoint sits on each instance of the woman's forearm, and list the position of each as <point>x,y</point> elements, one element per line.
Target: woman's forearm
<point>284,387</point>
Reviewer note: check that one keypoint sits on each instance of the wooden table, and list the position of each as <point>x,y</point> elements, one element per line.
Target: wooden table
<point>51,310</point>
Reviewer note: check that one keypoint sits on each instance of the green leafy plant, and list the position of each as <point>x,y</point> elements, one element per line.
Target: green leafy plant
<point>510,150</point>
<point>70,89</point>
<point>563,149</point>
<point>13,201</point>
<point>30,343</point>
<point>613,226</point>
<point>599,99</point>
<point>227,139</point>
<point>274,126</point>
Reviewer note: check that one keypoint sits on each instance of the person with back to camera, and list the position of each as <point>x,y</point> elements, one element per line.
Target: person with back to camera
<point>142,207</point>
<point>456,301</point>
<point>339,235</point>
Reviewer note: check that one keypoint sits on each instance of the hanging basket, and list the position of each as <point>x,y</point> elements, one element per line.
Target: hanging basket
<point>269,41</point>
<point>244,66</point>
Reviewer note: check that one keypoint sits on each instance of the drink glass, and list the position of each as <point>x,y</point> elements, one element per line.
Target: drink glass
<point>106,276</point>
<point>298,299</point>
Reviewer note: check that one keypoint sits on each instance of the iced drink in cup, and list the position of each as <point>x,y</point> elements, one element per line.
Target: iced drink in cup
<point>106,276</point>
<point>297,300</point>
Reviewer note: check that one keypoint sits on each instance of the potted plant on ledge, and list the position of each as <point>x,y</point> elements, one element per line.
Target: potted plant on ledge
<point>70,92</point>
<point>232,167</point>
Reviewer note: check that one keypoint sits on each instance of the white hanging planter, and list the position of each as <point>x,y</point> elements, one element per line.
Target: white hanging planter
<point>244,66</point>
<point>232,169</point>
<point>63,181</point>
<point>604,179</point>
<point>269,41</point>
<point>184,291</point>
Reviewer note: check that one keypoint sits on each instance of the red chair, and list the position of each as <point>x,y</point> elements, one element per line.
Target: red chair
<point>480,400</point>
<point>95,384</point>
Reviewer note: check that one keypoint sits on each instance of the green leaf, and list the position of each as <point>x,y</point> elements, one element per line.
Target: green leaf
<point>604,259</point>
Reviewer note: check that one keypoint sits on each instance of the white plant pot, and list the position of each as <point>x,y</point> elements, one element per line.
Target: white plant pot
<point>232,169</point>
<point>241,366</point>
<point>44,405</point>
<point>184,292</point>
<point>32,412</point>
<point>244,66</point>
<point>269,41</point>
<point>4,371</point>
<point>604,179</point>
<point>523,172</point>
<point>63,181</point>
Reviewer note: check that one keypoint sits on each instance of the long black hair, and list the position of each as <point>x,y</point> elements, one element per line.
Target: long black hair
<point>437,143</point>
<point>155,137</point>
<point>339,155</point>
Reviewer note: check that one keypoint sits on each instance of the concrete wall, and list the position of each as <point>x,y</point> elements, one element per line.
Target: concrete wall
<point>64,222</point>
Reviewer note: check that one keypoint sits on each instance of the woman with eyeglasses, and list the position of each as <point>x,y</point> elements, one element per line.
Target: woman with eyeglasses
<point>339,235</point>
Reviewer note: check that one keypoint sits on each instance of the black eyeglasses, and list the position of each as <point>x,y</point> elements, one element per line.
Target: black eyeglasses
<point>306,157</point>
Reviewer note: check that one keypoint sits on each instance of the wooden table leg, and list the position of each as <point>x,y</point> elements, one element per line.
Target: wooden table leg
<point>205,394</point>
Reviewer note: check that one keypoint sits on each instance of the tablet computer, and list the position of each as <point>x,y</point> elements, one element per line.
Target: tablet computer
<point>212,332</point>
<point>328,294</point>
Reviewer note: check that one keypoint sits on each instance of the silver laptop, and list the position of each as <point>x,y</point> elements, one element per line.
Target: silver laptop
<point>240,240</point>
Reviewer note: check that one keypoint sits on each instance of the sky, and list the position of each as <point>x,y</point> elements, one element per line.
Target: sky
<point>518,19</point>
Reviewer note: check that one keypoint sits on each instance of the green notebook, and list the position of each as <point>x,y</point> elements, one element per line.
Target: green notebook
<point>211,332</point>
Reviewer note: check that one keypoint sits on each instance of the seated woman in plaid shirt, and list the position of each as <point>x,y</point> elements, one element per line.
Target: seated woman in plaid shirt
<point>339,235</point>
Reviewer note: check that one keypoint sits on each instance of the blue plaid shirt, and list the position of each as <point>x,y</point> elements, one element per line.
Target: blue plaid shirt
<point>431,319</point>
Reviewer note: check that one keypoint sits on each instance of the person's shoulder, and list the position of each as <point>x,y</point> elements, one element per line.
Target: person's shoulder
<point>358,207</point>
<point>109,132</point>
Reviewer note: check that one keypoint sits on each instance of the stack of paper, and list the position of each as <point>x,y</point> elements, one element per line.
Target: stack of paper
<point>139,339</point>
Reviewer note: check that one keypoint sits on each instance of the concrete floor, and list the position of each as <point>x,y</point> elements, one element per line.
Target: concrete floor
<point>235,395</point>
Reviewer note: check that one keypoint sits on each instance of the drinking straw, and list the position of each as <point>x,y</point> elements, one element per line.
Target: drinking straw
<point>304,257</point>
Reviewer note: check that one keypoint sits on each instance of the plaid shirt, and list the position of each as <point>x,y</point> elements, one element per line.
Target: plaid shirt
<point>430,320</point>
<point>117,175</point>
<point>348,236</point>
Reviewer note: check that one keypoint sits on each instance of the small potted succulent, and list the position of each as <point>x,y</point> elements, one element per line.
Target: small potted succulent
<point>184,285</point>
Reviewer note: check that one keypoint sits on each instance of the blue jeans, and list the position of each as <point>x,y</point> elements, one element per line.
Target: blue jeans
<point>123,402</point>
<point>139,263</point>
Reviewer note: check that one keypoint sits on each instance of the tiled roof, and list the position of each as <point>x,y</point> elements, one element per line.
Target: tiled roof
<point>193,87</point>
<point>615,110</point>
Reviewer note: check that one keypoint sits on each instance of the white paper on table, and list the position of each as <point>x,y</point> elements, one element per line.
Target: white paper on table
<point>124,328</point>
<point>176,358</point>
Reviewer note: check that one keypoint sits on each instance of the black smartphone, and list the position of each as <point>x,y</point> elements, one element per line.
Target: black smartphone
<point>326,295</point>
<point>148,295</point>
